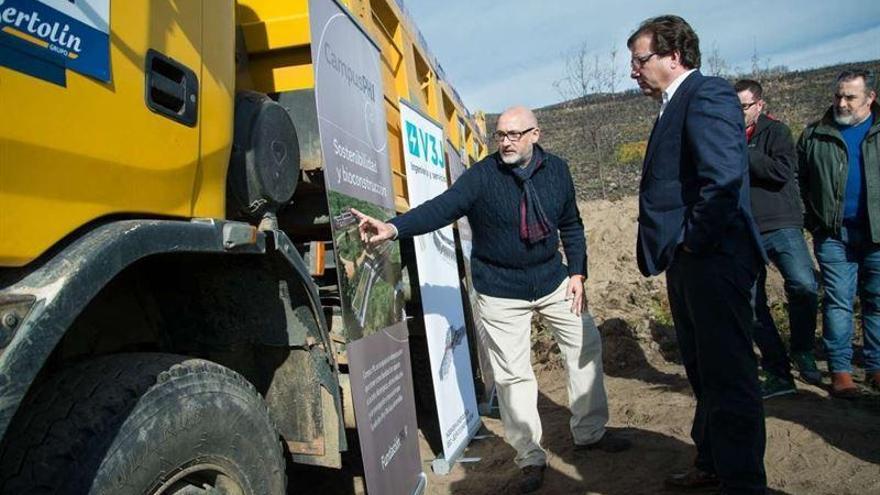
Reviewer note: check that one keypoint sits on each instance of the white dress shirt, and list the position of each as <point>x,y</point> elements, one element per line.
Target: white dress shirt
<point>670,91</point>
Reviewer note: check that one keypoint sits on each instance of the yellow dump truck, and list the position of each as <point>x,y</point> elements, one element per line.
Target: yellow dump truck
<point>167,324</point>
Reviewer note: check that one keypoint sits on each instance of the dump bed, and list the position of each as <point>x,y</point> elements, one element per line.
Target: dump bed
<point>277,40</point>
<point>150,137</point>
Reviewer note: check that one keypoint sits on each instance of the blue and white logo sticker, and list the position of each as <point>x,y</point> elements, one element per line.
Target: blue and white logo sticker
<point>72,34</point>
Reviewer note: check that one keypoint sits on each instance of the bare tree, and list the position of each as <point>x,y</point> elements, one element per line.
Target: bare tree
<point>761,67</point>
<point>612,72</point>
<point>582,78</point>
<point>717,66</point>
<point>756,61</point>
<point>578,80</point>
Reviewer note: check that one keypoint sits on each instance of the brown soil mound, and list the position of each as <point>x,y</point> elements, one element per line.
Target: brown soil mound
<point>815,444</point>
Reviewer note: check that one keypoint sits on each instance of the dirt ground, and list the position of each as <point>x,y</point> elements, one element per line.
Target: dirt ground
<point>815,444</point>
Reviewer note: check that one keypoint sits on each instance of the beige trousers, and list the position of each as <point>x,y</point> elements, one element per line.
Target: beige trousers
<point>507,323</point>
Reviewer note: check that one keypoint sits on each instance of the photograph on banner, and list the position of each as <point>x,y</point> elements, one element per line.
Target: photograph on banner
<point>370,279</point>
<point>449,354</point>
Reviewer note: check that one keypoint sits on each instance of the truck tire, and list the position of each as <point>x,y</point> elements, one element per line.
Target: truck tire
<point>143,424</point>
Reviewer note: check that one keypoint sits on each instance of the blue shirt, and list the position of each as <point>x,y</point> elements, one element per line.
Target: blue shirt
<point>855,204</point>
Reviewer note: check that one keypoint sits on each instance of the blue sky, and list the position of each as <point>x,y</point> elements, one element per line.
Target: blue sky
<point>498,53</point>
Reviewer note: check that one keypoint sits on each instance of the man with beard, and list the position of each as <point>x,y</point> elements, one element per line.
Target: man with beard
<point>776,207</point>
<point>695,224</point>
<point>839,163</point>
<point>520,202</point>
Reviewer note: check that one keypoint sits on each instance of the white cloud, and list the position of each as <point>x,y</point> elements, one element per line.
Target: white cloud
<point>496,53</point>
<point>515,88</point>
<point>855,47</point>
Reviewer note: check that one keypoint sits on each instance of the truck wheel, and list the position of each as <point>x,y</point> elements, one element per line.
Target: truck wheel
<point>156,424</point>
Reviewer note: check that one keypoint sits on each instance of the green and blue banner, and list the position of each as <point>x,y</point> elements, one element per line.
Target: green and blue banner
<point>439,284</point>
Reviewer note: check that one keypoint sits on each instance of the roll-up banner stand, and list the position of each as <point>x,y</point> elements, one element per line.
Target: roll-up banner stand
<point>487,405</point>
<point>448,351</point>
<point>354,146</point>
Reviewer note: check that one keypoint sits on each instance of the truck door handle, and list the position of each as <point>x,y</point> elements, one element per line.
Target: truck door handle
<point>171,88</point>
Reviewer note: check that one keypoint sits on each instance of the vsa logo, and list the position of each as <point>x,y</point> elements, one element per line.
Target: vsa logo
<point>27,25</point>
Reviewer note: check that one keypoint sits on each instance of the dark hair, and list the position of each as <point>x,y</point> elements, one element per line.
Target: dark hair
<point>749,85</point>
<point>866,75</point>
<point>670,33</point>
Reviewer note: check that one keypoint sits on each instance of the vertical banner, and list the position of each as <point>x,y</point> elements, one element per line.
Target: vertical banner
<point>440,289</point>
<point>456,168</point>
<point>353,139</point>
<point>354,145</point>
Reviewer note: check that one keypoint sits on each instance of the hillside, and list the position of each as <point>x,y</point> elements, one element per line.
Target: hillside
<point>612,130</point>
<point>816,445</point>
<point>810,450</point>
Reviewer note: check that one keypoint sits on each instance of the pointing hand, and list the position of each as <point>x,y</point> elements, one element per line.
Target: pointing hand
<point>373,231</point>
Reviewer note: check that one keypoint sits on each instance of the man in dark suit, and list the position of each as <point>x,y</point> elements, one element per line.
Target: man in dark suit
<point>695,224</point>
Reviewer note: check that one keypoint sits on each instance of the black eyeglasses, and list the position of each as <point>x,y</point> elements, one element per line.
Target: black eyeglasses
<point>514,136</point>
<point>639,61</point>
<point>746,106</point>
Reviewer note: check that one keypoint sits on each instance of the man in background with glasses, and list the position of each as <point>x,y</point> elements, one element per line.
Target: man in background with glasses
<point>520,202</point>
<point>777,209</point>
<point>695,224</point>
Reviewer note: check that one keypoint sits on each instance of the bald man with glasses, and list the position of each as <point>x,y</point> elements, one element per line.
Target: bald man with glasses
<point>520,203</point>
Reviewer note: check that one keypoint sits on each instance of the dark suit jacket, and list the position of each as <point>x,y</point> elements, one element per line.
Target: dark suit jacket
<point>695,179</point>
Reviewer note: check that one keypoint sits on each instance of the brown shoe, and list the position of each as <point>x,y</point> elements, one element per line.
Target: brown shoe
<point>874,380</point>
<point>692,479</point>
<point>843,387</point>
<point>532,478</point>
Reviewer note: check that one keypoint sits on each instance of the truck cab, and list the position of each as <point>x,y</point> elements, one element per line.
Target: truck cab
<point>168,319</point>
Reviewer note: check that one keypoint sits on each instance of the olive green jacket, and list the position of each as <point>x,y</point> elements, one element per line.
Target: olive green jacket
<point>822,170</point>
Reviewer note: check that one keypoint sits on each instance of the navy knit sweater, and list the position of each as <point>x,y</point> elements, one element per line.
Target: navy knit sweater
<point>504,265</point>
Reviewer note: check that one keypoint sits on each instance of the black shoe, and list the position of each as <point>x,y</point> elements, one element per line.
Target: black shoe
<point>611,443</point>
<point>692,479</point>
<point>532,478</point>
<point>805,363</point>
<point>774,386</point>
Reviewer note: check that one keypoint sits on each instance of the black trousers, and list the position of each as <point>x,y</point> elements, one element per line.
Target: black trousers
<point>709,295</point>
